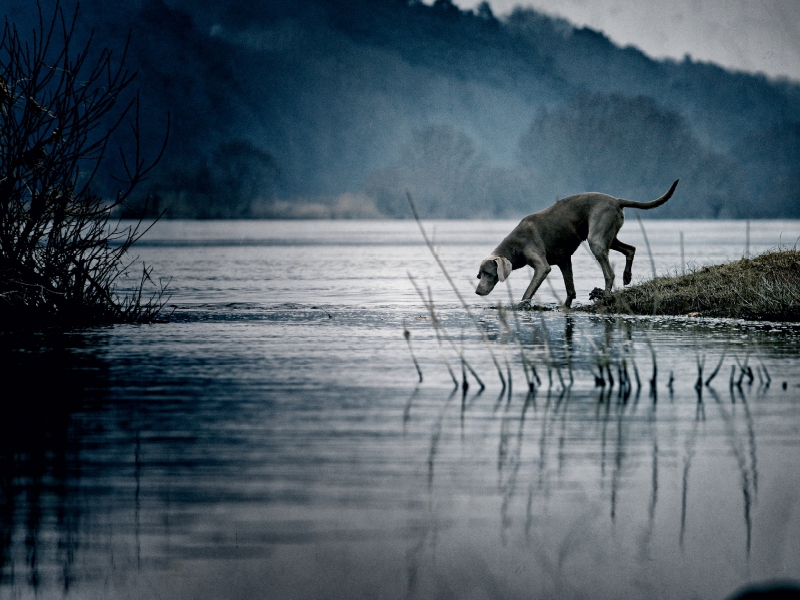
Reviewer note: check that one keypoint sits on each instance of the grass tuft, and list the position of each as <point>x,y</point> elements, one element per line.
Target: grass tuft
<point>764,288</point>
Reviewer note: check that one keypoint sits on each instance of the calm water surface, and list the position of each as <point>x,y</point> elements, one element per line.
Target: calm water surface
<point>271,440</point>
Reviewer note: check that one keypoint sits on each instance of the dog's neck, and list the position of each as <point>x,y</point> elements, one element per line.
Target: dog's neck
<point>507,252</point>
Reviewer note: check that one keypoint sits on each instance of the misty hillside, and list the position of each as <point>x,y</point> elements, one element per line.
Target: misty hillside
<point>319,108</point>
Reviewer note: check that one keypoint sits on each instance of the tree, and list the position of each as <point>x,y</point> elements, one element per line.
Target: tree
<point>63,110</point>
<point>630,147</point>
<point>236,177</point>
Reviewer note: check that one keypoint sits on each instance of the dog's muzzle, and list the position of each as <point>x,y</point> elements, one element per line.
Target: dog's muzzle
<point>485,286</point>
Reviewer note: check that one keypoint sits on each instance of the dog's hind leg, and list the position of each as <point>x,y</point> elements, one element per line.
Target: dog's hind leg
<point>540,271</point>
<point>600,252</point>
<point>566,271</point>
<point>603,228</point>
<point>628,251</point>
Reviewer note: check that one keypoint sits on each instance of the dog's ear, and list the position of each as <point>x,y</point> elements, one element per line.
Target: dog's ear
<point>503,267</point>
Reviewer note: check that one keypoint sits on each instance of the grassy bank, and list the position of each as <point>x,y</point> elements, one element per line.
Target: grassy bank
<point>763,288</point>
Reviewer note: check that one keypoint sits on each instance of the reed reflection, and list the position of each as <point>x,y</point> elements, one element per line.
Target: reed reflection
<point>109,468</point>
<point>544,443</point>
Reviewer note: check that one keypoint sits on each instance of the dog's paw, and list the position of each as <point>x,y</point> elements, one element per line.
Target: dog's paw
<point>524,305</point>
<point>626,277</point>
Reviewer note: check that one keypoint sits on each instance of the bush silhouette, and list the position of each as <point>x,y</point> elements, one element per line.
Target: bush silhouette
<point>62,113</point>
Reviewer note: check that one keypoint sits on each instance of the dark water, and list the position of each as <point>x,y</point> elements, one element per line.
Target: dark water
<point>271,440</point>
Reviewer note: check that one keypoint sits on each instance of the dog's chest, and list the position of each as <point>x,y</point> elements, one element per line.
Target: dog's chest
<point>562,241</point>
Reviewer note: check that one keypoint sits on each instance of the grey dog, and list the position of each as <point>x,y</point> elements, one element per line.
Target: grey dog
<point>551,236</point>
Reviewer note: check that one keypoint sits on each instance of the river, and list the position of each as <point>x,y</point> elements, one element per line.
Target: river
<point>271,438</point>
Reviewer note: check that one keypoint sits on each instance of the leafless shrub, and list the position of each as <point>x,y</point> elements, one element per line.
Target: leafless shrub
<point>63,106</point>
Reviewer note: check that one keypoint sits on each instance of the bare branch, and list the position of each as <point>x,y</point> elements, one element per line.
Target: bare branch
<point>60,110</point>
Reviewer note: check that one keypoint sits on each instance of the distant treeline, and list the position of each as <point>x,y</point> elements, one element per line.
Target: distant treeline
<point>332,108</point>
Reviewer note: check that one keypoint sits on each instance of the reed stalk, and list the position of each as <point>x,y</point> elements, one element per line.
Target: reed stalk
<point>743,369</point>
<point>549,359</point>
<point>628,349</point>
<point>762,365</point>
<point>719,364</point>
<point>407,335</point>
<point>436,326</point>
<point>439,329</point>
<point>455,289</point>
<point>701,363</point>
<point>518,328</point>
<point>766,373</point>
<point>507,327</point>
<point>647,245</point>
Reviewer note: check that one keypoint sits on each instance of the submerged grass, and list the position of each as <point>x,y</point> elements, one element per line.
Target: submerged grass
<point>764,288</point>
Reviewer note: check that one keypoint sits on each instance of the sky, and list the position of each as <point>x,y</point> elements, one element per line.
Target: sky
<point>746,35</point>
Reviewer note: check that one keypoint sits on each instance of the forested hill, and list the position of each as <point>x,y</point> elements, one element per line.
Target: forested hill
<point>292,108</point>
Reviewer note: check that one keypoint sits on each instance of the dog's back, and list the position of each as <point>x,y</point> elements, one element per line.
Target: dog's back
<point>564,225</point>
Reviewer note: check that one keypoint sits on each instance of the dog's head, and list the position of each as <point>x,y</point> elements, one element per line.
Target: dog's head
<point>493,269</point>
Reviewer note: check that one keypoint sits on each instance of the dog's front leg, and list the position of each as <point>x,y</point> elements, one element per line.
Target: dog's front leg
<point>566,271</point>
<point>540,271</point>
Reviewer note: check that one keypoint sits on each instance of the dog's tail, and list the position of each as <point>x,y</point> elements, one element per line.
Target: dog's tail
<point>653,204</point>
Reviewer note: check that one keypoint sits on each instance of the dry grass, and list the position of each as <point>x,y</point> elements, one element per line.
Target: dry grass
<point>763,288</point>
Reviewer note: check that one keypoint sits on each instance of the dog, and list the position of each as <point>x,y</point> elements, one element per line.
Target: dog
<point>551,236</point>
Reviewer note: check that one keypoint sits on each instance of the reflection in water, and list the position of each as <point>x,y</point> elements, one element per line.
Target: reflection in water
<point>700,415</point>
<point>631,430</point>
<point>435,434</point>
<point>749,475</point>
<point>108,469</point>
<point>47,378</point>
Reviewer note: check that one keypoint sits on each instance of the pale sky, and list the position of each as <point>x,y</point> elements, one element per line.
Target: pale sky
<point>747,35</point>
